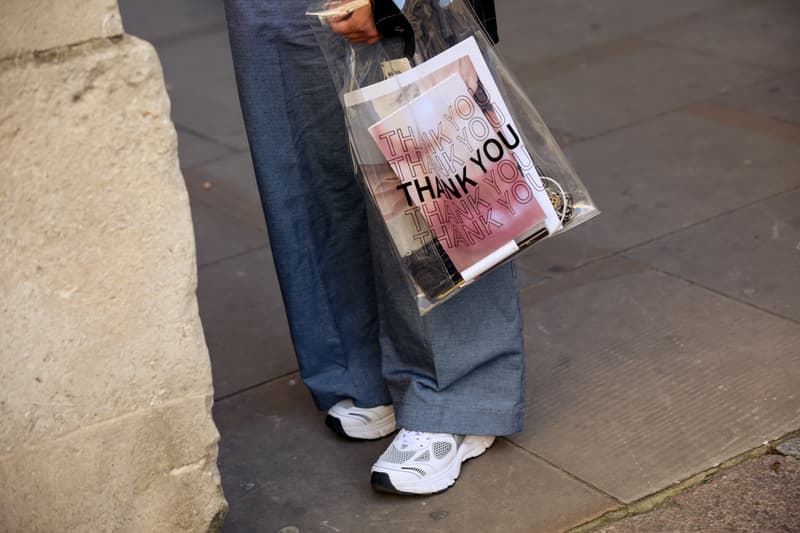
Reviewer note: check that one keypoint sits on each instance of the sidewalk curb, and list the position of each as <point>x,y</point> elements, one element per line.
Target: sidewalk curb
<point>659,499</point>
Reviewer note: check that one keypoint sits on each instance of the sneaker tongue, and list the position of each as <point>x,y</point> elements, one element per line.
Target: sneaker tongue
<point>411,440</point>
<point>417,440</point>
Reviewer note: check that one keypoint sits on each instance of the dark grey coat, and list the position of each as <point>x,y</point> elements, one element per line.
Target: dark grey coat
<point>397,18</point>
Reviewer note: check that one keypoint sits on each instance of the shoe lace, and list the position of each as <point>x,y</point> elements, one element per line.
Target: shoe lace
<point>408,441</point>
<point>407,438</point>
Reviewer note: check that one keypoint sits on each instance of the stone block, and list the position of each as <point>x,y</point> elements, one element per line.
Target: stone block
<point>99,329</point>
<point>85,246</point>
<point>31,25</point>
<point>151,470</point>
<point>790,447</point>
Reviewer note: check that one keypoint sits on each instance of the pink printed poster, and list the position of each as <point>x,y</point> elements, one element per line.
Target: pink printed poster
<point>462,167</point>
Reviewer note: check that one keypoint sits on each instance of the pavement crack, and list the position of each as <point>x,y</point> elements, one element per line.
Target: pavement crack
<point>254,386</point>
<point>565,471</point>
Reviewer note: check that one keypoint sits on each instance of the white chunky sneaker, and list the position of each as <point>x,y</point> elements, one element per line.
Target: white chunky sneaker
<point>425,463</point>
<point>361,423</point>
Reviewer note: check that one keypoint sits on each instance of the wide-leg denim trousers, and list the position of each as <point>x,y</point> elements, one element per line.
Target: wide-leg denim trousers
<point>354,324</point>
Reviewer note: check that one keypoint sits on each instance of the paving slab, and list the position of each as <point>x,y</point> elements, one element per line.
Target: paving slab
<point>158,21</point>
<point>244,322</point>
<point>194,60</point>
<point>192,44</point>
<point>214,112</point>
<point>674,171</point>
<point>219,236</point>
<point>637,380</point>
<point>204,60</point>
<point>761,33</point>
<point>562,253</point>
<point>759,495</point>
<point>228,185</point>
<point>527,279</point>
<point>752,254</point>
<point>778,98</point>
<point>533,31</point>
<point>605,93</point>
<point>780,130</point>
<point>311,480</point>
<point>195,150</point>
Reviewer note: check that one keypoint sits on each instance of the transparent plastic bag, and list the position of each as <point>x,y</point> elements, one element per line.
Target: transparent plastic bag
<point>449,150</point>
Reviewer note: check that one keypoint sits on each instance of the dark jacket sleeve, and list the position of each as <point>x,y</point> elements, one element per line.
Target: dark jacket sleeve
<point>392,22</point>
<point>487,15</point>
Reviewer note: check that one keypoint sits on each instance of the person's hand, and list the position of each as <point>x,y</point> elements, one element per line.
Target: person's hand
<point>468,74</point>
<point>357,27</point>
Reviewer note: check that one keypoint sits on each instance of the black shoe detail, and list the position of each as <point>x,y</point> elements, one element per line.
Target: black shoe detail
<point>336,425</point>
<point>382,482</point>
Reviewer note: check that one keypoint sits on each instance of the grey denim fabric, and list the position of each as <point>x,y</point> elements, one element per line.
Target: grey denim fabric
<point>353,320</point>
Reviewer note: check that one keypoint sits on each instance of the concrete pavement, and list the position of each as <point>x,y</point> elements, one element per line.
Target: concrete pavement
<point>663,337</point>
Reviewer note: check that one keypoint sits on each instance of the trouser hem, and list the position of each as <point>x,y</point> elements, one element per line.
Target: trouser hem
<point>465,421</point>
<point>374,398</point>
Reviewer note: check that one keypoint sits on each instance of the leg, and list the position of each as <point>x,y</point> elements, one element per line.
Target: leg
<point>312,204</point>
<point>456,375</point>
<point>460,368</point>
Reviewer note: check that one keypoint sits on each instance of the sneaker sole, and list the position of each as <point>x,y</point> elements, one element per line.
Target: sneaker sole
<point>374,431</point>
<point>382,481</point>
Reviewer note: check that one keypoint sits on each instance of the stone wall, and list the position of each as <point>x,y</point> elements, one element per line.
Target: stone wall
<point>105,384</point>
